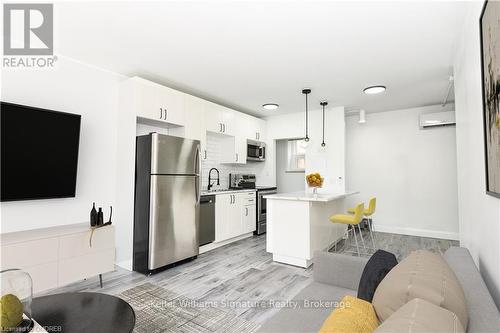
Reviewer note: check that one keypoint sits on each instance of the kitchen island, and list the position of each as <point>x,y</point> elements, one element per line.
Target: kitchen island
<point>298,224</point>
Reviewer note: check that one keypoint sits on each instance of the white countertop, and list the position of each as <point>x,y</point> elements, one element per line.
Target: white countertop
<point>34,234</point>
<point>304,196</point>
<point>227,191</point>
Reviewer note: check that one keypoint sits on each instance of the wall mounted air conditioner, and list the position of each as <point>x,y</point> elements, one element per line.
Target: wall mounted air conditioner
<point>437,119</point>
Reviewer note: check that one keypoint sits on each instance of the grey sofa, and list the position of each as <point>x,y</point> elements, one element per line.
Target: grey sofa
<point>337,275</point>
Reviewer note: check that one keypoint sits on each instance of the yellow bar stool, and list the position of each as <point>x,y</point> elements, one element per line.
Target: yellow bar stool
<point>353,221</point>
<point>368,213</point>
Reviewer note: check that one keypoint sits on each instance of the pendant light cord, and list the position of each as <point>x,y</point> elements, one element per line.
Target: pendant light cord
<point>323,104</point>
<point>306,92</point>
<point>307,125</point>
<point>323,143</point>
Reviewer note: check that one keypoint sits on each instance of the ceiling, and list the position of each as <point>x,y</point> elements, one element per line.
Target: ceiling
<point>245,54</point>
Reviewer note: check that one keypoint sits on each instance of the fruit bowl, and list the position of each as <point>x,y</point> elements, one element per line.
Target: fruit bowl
<point>315,181</point>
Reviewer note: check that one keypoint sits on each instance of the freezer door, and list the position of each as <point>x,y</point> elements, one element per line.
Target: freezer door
<point>174,219</point>
<point>172,155</point>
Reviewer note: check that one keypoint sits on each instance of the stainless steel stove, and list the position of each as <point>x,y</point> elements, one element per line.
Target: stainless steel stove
<point>262,207</point>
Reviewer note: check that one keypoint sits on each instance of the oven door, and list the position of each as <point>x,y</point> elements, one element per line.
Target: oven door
<point>262,204</point>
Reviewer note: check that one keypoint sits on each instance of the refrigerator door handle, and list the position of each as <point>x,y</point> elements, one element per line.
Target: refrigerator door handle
<point>197,189</point>
<point>197,161</point>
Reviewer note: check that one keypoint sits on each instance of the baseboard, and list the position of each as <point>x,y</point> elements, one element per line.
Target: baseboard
<point>127,264</point>
<point>212,246</point>
<point>417,232</point>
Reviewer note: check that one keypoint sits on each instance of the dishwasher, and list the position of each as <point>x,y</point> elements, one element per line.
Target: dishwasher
<point>207,220</point>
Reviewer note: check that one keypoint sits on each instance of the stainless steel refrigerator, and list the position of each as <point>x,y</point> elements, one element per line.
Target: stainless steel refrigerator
<point>167,201</point>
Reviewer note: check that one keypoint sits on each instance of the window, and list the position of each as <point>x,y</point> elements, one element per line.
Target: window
<point>296,155</point>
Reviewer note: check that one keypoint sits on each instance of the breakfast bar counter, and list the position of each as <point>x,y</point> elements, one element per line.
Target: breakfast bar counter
<point>298,225</point>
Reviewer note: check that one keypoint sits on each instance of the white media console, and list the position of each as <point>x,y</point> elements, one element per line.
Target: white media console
<point>57,256</point>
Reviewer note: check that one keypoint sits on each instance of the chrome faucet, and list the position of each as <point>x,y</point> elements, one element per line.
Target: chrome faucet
<point>210,185</point>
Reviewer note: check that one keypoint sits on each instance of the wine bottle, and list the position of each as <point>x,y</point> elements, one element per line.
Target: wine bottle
<point>93,216</point>
<point>100,217</point>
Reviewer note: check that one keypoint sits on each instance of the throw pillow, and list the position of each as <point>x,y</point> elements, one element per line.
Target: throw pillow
<point>422,275</point>
<point>418,315</point>
<point>352,315</point>
<point>377,267</point>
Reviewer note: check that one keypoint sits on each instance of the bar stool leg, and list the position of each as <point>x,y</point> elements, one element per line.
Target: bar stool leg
<point>355,239</point>
<point>370,227</point>
<point>373,230</point>
<point>362,239</point>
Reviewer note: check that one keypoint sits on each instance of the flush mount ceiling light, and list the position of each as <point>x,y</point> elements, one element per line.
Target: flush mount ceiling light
<point>270,106</point>
<point>306,92</point>
<point>373,90</point>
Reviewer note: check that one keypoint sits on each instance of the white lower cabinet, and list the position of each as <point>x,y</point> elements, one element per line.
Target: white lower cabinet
<point>235,215</point>
<point>248,221</point>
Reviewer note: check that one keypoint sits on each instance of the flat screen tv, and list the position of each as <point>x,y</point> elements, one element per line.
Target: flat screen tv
<point>39,151</point>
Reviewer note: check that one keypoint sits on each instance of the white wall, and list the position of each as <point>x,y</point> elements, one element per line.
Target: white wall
<point>75,88</point>
<point>329,161</point>
<point>412,172</point>
<point>479,214</point>
<point>286,181</point>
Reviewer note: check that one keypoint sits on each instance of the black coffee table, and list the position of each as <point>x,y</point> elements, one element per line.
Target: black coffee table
<point>83,312</point>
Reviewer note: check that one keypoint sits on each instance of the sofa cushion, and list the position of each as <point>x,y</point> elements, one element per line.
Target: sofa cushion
<point>418,315</point>
<point>483,313</point>
<point>380,263</point>
<point>421,275</point>
<point>352,315</point>
<point>307,317</point>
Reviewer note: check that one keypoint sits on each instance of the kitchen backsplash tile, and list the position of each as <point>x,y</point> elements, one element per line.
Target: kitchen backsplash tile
<point>212,161</point>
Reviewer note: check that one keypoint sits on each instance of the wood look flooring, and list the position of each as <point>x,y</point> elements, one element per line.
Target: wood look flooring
<point>242,273</point>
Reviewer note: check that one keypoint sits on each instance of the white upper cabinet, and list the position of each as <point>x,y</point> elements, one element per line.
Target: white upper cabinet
<point>159,103</point>
<point>234,150</point>
<point>228,118</point>
<point>252,128</point>
<point>195,122</point>
<point>192,117</point>
<point>260,129</point>
<point>219,119</point>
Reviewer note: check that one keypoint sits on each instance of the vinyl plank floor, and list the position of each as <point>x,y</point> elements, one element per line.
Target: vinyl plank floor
<point>244,273</point>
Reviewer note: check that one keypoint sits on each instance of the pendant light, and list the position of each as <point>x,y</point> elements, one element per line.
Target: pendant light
<point>306,92</point>
<point>362,116</point>
<point>323,104</point>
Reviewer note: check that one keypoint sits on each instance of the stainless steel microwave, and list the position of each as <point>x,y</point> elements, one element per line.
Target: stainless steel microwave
<point>256,151</point>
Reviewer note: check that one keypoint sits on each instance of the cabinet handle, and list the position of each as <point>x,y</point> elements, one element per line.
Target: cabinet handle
<point>246,211</point>
<point>220,124</point>
<point>165,114</point>
<point>236,157</point>
<point>224,126</point>
<point>161,113</point>
<point>205,154</point>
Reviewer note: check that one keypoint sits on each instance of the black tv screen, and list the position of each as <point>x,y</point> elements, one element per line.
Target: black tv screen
<point>39,151</point>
